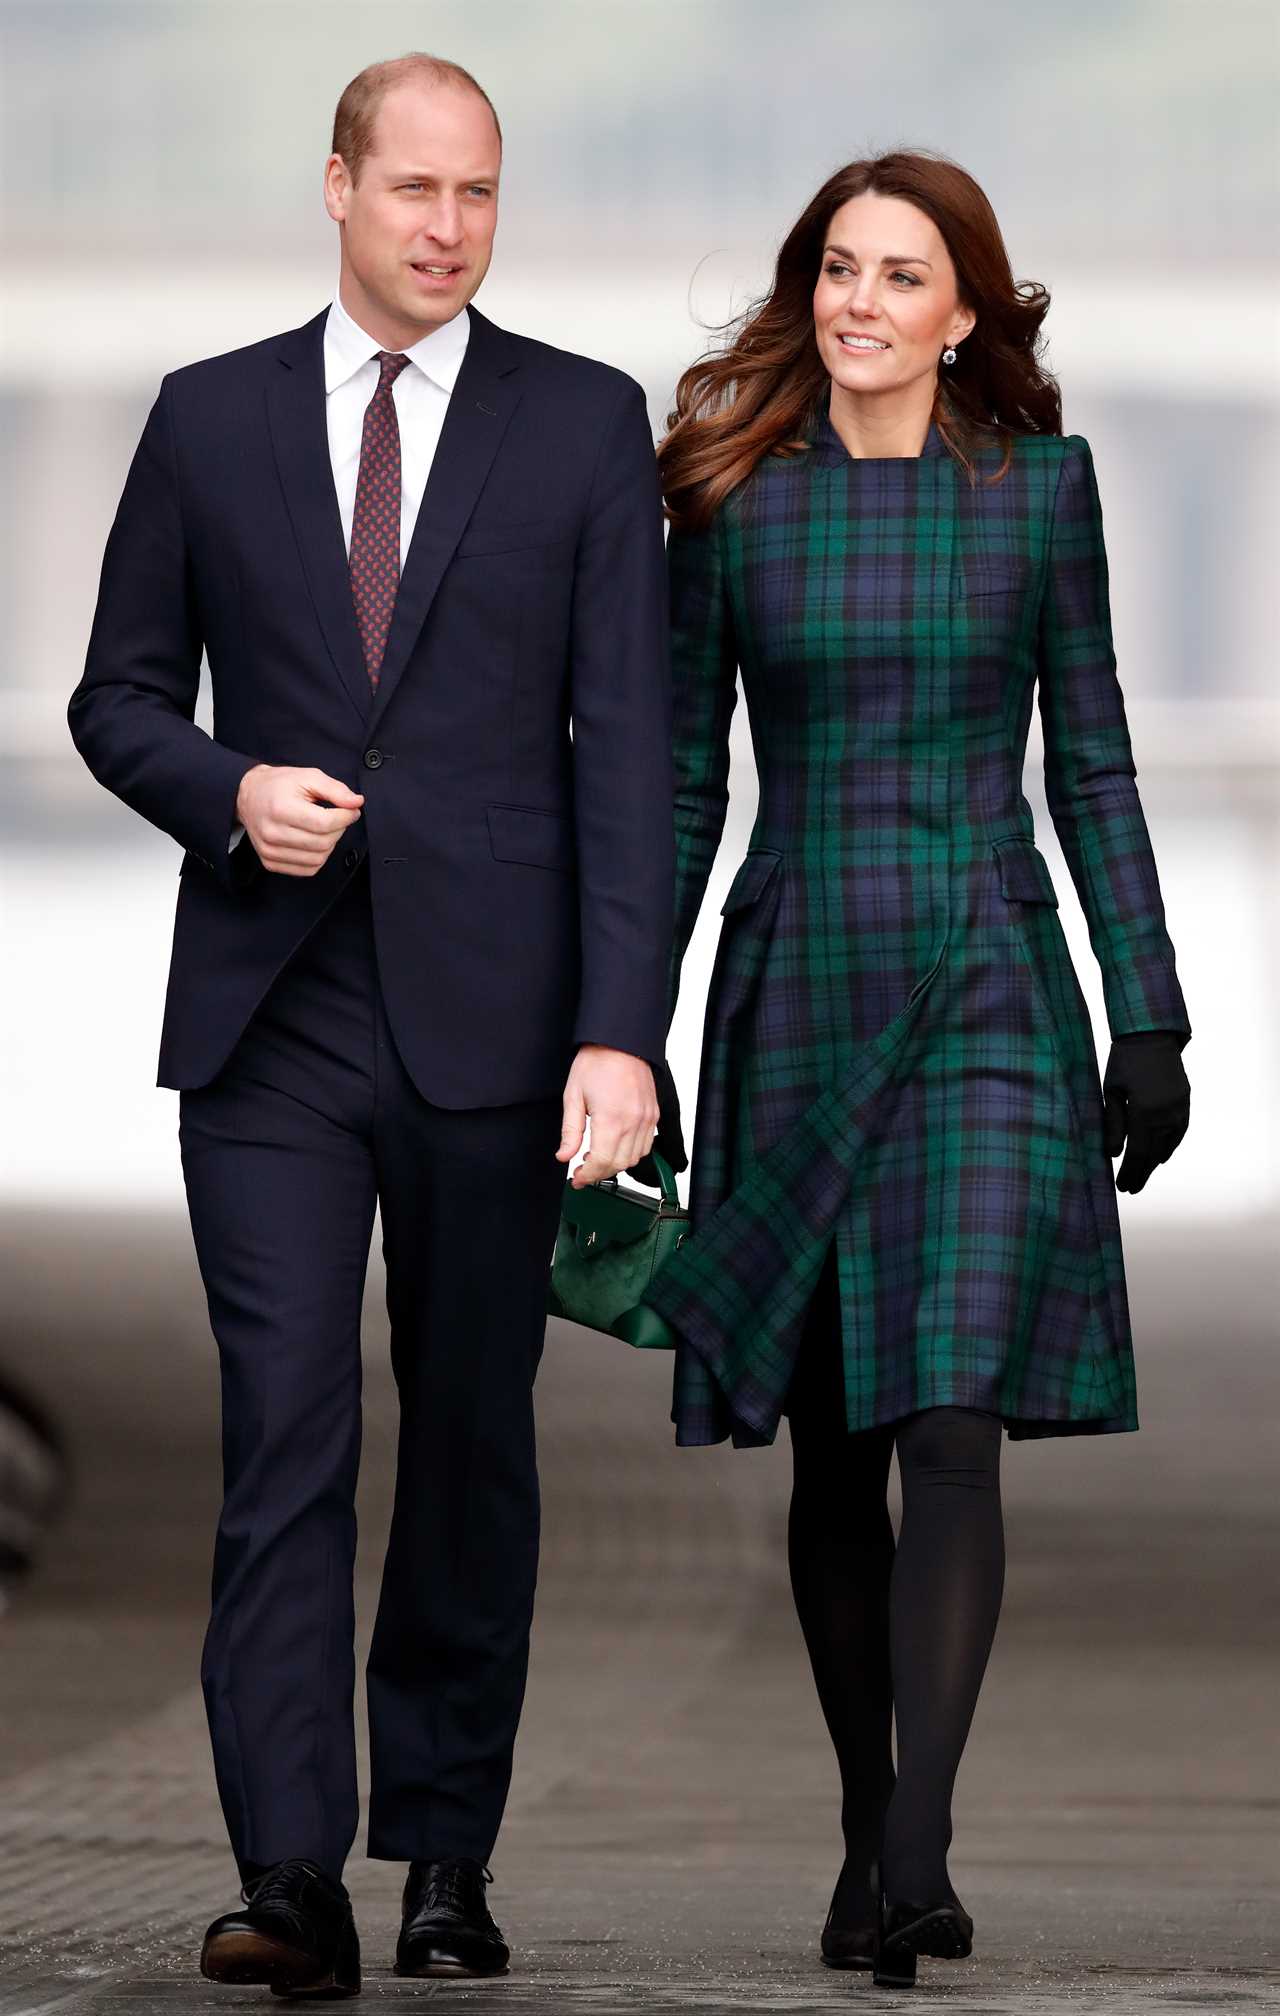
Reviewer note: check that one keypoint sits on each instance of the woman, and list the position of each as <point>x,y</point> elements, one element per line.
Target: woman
<point>905,1228</point>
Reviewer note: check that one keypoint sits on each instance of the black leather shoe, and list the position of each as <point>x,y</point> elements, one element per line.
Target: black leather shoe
<point>849,1938</point>
<point>296,1935</point>
<point>944,1931</point>
<point>446,1927</point>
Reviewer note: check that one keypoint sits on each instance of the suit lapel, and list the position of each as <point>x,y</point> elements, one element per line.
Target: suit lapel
<point>484,398</point>
<point>299,436</point>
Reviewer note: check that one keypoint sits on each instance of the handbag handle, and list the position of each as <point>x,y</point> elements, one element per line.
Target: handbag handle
<point>666,1179</point>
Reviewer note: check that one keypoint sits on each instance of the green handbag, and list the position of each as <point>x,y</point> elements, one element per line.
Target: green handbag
<point>611,1243</point>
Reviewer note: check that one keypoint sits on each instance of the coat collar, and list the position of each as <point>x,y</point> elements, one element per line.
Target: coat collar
<point>830,452</point>
<point>485,395</point>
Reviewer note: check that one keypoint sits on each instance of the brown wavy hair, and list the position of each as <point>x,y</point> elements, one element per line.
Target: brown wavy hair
<point>763,392</point>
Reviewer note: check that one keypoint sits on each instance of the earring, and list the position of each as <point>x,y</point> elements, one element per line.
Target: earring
<point>948,356</point>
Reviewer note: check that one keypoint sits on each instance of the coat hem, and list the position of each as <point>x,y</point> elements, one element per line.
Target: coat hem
<point>1018,1428</point>
<point>747,1434</point>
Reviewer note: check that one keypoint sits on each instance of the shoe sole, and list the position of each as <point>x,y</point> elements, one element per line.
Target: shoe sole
<point>247,1959</point>
<point>449,1970</point>
<point>939,1936</point>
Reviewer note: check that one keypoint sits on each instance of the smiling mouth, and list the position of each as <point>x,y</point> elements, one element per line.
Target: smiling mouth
<point>863,343</point>
<point>436,272</point>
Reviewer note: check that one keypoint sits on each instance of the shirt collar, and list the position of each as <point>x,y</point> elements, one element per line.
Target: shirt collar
<point>438,354</point>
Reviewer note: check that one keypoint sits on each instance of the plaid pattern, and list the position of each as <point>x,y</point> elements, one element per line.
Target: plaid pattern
<point>897,1054</point>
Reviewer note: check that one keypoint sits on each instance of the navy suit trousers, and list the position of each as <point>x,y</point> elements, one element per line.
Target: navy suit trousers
<point>311,1124</point>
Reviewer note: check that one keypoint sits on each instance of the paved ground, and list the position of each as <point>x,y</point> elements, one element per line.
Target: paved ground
<point>672,1832</point>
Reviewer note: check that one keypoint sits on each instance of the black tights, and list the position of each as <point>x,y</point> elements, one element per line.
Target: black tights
<point>893,1634</point>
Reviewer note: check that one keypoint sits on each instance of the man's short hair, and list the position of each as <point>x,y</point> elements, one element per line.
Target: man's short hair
<point>357,113</point>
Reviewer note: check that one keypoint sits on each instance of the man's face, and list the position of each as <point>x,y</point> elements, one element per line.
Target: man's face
<point>417,229</point>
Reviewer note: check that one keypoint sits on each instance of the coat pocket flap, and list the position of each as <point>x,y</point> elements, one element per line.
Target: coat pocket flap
<point>539,839</point>
<point>1024,873</point>
<point>994,577</point>
<point>751,879</point>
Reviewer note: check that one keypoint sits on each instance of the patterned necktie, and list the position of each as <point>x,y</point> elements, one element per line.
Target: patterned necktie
<point>375,521</point>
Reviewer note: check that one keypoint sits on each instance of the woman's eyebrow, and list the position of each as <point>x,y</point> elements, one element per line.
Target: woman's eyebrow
<point>896,259</point>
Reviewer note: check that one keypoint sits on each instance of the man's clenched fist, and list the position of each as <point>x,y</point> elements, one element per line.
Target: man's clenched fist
<point>294,818</point>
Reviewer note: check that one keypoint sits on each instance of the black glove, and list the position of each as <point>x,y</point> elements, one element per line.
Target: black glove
<point>1147,1101</point>
<point>669,1140</point>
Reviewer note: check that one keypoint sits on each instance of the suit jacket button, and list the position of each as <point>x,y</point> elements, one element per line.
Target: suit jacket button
<point>373,759</point>
<point>351,859</point>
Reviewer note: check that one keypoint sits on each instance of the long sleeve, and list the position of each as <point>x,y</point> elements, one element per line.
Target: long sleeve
<point>132,717</point>
<point>704,671</point>
<point>1089,769</point>
<point>621,713</point>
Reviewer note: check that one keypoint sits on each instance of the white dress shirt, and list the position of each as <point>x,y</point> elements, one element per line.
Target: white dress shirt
<point>421,396</point>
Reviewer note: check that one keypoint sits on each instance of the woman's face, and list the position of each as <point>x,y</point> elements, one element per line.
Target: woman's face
<point>885,306</point>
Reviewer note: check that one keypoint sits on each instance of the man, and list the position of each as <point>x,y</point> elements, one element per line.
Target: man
<point>425,558</point>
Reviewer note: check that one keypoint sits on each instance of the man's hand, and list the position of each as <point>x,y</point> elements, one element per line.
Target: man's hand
<point>616,1092</point>
<point>294,818</point>
<point>670,1139</point>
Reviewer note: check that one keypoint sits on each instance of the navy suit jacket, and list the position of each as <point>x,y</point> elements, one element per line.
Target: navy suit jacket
<point>515,760</point>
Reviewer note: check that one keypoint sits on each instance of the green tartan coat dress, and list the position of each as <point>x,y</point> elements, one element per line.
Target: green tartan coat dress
<point>897,1054</point>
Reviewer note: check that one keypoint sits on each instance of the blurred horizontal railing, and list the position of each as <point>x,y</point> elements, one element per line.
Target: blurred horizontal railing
<point>651,317</point>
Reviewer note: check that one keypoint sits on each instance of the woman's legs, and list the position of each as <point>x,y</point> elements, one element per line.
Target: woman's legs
<point>945,1599</point>
<point>892,1637</point>
<point>840,1547</point>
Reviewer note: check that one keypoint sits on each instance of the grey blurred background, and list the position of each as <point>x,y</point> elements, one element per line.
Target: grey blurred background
<point>161,202</point>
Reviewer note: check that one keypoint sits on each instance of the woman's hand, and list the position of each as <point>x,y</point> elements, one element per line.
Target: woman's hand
<point>1148,1102</point>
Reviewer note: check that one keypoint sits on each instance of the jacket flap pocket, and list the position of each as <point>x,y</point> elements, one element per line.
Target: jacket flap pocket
<point>751,879</point>
<point>1024,873</point>
<point>539,839</point>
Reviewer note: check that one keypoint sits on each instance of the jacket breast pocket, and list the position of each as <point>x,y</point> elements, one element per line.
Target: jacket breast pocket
<point>513,535</point>
<point>532,837</point>
<point>1024,872</point>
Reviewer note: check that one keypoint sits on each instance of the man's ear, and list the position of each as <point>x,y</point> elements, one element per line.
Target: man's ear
<point>337,184</point>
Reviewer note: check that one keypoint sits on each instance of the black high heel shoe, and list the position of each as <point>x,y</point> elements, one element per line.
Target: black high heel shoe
<point>852,1943</point>
<point>942,1931</point>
